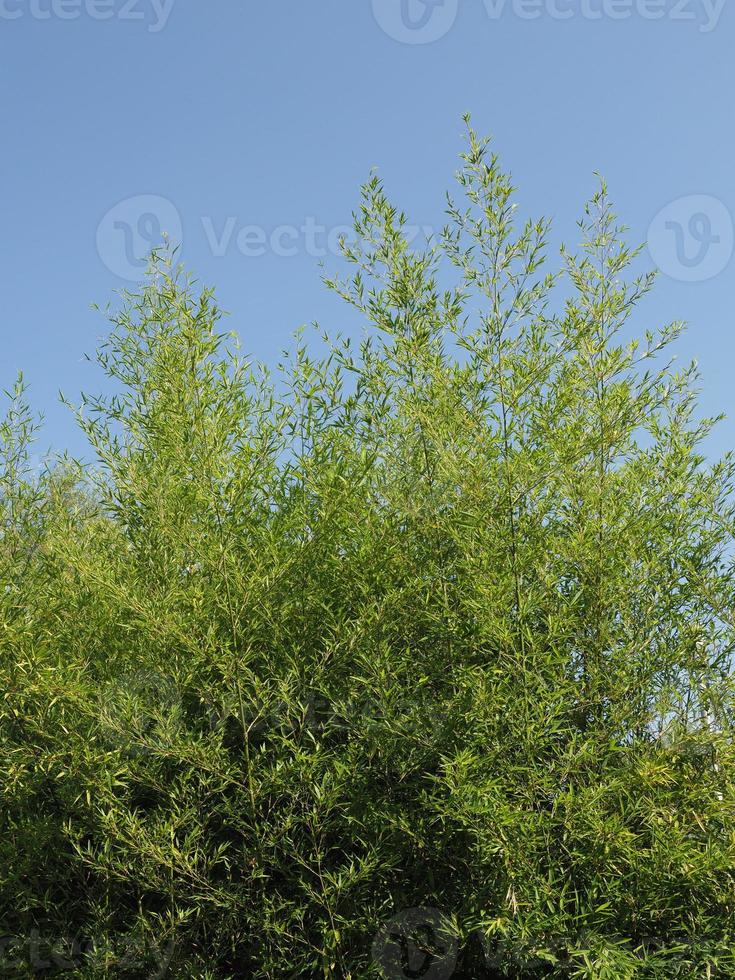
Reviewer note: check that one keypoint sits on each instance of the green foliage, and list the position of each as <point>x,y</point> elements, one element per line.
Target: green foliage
<point>440,620</point>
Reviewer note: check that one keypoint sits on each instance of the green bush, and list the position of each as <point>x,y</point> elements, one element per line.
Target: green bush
<point>412,657</point>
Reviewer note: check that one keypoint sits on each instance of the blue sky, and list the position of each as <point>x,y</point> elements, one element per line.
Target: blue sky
<point>247,127</point>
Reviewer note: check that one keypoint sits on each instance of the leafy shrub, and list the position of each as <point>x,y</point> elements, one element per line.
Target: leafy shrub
<point>440,621</point>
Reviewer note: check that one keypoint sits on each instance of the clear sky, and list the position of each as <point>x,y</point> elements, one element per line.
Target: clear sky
<point>247,127</point>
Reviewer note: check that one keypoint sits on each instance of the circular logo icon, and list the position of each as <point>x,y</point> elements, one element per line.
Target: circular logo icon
<point>415,21</point>
<point>129,230</point>
<point>691,239</point>
<point>416,943</point>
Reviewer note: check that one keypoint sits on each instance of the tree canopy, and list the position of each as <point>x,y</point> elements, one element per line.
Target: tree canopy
<point>407,658</point>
